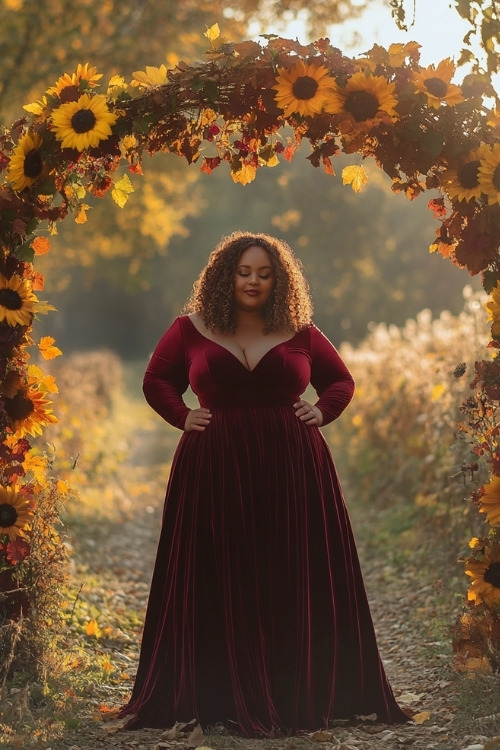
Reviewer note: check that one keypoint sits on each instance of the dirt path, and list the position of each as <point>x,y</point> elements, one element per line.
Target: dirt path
<point>410,612</point>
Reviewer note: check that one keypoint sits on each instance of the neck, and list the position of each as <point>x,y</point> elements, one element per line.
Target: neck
<point>249,321</point>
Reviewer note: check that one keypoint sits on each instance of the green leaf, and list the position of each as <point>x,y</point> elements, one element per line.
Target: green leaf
<point>490,279</point>
<point>432,142</point>
<point>25,252</point>
<point>211,91</point>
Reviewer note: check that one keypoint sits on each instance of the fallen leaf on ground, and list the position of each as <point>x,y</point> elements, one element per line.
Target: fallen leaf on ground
<point>421,717</point>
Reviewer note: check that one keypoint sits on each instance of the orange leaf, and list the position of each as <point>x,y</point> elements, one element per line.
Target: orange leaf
<point>37,281</point>
<point>47,350</point>
<point>41,245</point>
<point>92,628</point>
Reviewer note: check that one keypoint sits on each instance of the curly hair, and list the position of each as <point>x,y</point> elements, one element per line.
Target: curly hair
<point>290,305</point>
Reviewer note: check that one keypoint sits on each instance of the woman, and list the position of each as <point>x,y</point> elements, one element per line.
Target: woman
<point>257,616</point>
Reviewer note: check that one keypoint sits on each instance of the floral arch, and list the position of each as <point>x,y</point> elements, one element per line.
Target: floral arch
<point>249,105</point>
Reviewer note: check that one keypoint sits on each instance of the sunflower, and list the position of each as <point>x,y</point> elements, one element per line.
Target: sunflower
<point>304,89</point>
<point>363,98</point>
<point>84,123</point>
<point>68,85</point>
<point>25,164</point>
<point>490,501</point>
<point>15,513</point>
<point>489,173</point>
<point>29,411</point>
<point>485,574</point>
<point>17,301</point>
<point>493,306</point>
<point>435,84</point>
<point>462,181</point>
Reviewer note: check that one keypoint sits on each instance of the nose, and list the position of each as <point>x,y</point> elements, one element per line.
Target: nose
<point>254,279</point>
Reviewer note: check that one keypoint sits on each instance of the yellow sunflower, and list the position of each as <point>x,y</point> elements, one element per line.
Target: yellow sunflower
<point>67,81</point>
<point>84,123</point>
<point>29,412</point>
<point>15,513</point>
<point>462,181</point>
<point>490,501</point>
<point>17,301</point>
<point>303,89</point>
<point>489,173</point>
<point>364,97</point>
<point>25,165</point>
<point>435,84</point>
<point>493,306</point>
<point>485,574</point>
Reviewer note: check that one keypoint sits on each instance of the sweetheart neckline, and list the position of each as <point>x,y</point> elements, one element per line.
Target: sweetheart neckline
<point>221,346</point>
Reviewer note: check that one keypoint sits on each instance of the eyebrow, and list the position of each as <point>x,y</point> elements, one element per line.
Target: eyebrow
<point>260,269</point>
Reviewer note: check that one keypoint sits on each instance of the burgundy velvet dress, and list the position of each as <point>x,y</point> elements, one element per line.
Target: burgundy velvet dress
<point>257,616</point>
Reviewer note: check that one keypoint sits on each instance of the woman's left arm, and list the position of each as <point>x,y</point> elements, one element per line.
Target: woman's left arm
<point>330,378</point>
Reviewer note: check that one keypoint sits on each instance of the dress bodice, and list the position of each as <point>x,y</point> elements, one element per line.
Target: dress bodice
<point>185,357</point>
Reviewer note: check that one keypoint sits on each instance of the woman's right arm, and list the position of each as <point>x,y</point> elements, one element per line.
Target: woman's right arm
<point>166,377</point>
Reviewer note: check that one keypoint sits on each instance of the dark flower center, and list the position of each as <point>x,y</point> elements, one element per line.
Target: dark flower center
<point>10,299</point>
<point>8,515</point>
<point>362,105</point>
<point>304,87</point>
<point>32,163</point>
<point>18,407</point>
<point>496,178</point>
<point>436,86</point>
<point>467,174</point>
<point>492,575</point>
<point>83,121</point>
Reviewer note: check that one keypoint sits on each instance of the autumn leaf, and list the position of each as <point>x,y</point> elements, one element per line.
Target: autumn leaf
<point>121,190</point>
<point>81,215</point>
<point>355,176</point>
<point>46,348</point>
<point>213,32</point>
<point>92,628</point>
<point>41,245</point>
<point>196,738</point>
<point>37,281</point>
<point>421,717</point>
<point>438,391</point>
<point>62,486</point>
<point>244,175</point>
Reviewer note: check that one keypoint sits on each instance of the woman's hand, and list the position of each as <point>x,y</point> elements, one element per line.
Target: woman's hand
<point>308,413</point>
<point>197,419</point>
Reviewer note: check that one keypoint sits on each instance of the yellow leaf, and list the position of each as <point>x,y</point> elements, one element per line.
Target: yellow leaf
<point>81,216</point>
<point>121,190</point>
<point>43,307</point>
<point>438,391</point>
<point>354,176</point>
<point>92,628</point>
<point>41,245</point>
<point>244,175</point>
<point>62,486</point>
<point>421,717</point>
<point>213,32</point>
<point>46,349</point>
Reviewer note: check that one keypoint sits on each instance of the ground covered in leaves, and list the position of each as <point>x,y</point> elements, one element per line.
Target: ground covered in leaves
<point>112,563</point>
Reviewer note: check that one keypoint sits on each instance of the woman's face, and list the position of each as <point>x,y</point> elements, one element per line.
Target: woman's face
<point>253,280</point>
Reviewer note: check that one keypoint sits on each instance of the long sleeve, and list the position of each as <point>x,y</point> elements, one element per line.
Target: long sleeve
<point>330,378</point>
<point>166,377</point>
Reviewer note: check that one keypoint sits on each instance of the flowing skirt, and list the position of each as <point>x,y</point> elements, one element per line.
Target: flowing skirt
<point>258,616</point>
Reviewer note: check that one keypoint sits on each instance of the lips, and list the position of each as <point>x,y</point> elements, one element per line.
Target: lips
<point>252,292</point>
